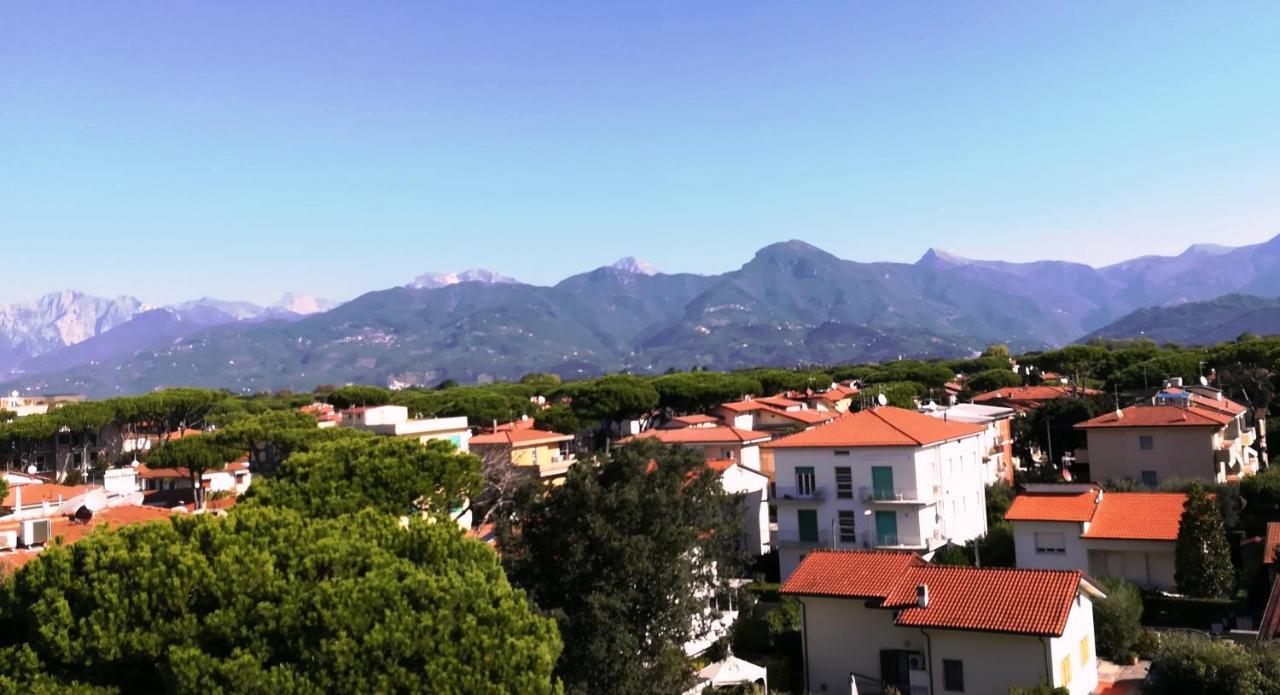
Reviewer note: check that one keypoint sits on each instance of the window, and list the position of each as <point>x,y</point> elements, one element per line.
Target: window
<point>844,483</point>
<point>1146,442</point>
<point>1150,479</point>
<point>807,525</point>
<point>840,452</point>
<point>804,480</point>
<point>1051,544</point>
<point>847,519</point>
<point>1084,650</point>
<point>953,675</point>
<point>1066,671</point>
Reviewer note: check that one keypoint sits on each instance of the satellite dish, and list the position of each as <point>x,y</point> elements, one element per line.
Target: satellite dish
<point>31,469</point>
<point>882,400</point>
<point>135,463</point>
<point>1204,381</point>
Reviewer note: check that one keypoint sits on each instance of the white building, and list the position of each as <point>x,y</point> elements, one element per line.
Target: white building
<point>394,421</point>
<point>888,618</point>
<point>999,464</point>
<point>879,478</point>
<point>23,406</point>
<point>1128,535</point>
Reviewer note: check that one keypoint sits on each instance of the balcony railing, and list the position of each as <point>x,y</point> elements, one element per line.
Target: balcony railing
<point>796,494</point>
<point>872,539</point>
<point>902,495</point>
<point>558,465</point>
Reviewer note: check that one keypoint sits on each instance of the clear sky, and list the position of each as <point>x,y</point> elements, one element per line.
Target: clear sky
<point>241,149</point>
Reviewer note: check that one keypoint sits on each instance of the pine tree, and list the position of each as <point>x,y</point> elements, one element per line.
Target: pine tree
<point>1202,560</point>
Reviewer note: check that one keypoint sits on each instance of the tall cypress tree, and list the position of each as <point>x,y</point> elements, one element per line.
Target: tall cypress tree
<point>1202,560</point>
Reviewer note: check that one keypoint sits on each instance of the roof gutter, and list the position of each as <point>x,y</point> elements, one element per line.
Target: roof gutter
<point>928,656</point>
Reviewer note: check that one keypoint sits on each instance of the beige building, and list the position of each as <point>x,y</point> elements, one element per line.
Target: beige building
<point>1179,433</point>
<point>1127,535</point>
<point>541,453</point>
<point>880,618</point>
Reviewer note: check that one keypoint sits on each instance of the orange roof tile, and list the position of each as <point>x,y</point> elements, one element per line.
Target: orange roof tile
<point>1272,542</point>
<point>1032,395</point>
<point>71,531</point>
<point>806,417</point>
<point>700,435</point>
<point>45,492</point>
<point>1158,416</point>
<point>519,436</point>
<point>1051,506</point>
<point>1140,516</point>
<point>779,402</point>
<point>1020,601</point>
<point>1143,516</point>
<point>850,574</point>
<point>743,406</point>
<point>884,426</point>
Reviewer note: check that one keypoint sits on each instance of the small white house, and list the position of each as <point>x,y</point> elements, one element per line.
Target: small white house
<point>1127,535</point>
<point>879,478</point>
<point>888,618</point>
<point>394,421</point>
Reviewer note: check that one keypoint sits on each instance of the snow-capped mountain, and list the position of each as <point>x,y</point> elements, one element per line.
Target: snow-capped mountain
<point>430,281</point>
<point>59,319</point>
<point>303,304</point>
<point>631,264</point>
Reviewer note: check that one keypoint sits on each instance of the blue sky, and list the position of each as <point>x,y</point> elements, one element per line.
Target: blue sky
<point>241,149</point>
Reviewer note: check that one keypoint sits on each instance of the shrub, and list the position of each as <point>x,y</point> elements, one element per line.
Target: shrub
<point>1117,619</point>
<point>1199,666</point>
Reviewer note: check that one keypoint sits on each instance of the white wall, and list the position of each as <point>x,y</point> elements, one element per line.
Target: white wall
<point>842,635</point>
<point>755,490</point>
<point>1024,546</point>
<point>992,662</point>
<point>1084,673</point>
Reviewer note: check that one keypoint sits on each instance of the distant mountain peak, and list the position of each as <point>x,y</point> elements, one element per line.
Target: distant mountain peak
<point>934,255</point>
<point>1208,249</point>
<point>303,304</point>
<point>631,264</point>
<point>430,281</point>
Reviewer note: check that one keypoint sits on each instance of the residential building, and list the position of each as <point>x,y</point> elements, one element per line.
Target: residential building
<point>23,406</point>
<point>47,499</point>
<point>394,421</point>
<point>170,487</point>
<point>775,417</point>
<point>879,478</point>
<point>1026,398</point>
<point>1178,433</point>
<point>999,463</point>
<point>1128,535</point>
<point>718,442</point>
<point>66,528</point>
<point>546,455</point>
<point>326,415</point>
<point>878,619</point>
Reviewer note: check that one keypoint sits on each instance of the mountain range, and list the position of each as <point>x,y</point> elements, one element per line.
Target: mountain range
<point>791,304</point>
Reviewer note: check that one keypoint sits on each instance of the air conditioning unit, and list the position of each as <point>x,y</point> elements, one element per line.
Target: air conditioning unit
<point>915,662</point>
<point>8,540</point>
<point>36,531</point>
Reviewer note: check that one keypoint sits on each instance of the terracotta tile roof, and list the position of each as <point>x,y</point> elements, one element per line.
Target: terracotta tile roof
<point>46,492</point>
<point>520,436</point>
<point>70,531</point>
<point>743,406</point>
<point>1144,516</point>
<point>720,465</point>
<point>1270,544</point>
<point>850,574</point>
<point>806,417</point>
<point>695,419</point>
<point>1270,623</point>
<point>1140,516</point>
<point>779,402</point>
<point>884,426</point>
<point>1032,395</point>
<point>1019,601</point>
<point>1050,506</point>
<point>700,435</point>
<point>1158,416</point>
<point>185,498</point>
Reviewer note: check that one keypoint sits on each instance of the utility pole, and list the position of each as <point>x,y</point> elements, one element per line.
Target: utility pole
<point>1048,431</point>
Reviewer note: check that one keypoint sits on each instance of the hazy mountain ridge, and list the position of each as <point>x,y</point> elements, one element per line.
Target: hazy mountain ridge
<point>791,303</point>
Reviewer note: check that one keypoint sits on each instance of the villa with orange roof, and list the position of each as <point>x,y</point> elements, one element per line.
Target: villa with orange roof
<point>775,416</point>
<point>394,421</point>
<point>1129,535</point>
<point>1025,398</point>
<point>718,442</point>
<point>876,618</point>
<point>879,478</point>
<point>1179,433</point>
<point>543,454</point>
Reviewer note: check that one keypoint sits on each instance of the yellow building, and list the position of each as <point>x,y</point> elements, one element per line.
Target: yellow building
<point>541,452</point>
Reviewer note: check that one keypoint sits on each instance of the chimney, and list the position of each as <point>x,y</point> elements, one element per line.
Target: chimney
<point>1098,499</point>
<point>922,595</point>
<point>17,498</point>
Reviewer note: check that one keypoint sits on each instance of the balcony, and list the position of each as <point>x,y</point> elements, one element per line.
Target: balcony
<point>795,495</point>
<point>557,466</point>
<point>903,496</point>
<point>890,541</point>
<point>792,538</point>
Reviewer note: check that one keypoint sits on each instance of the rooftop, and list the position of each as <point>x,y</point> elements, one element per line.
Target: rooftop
<point>1019,601</point>
<point>1144,516</point>
<point>883,426</point>
<point>1158,416</point>
<point>701,435</point>
<point>520,433</point>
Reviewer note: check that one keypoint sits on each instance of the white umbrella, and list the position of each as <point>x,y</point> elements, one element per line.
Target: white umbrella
<point>733,671</point>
